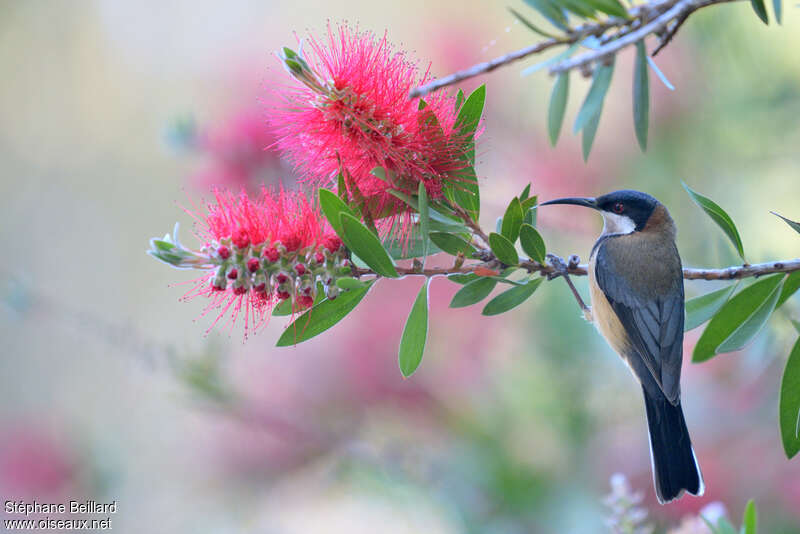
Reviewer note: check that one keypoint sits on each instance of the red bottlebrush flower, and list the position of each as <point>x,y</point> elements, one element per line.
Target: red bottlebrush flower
<point>353,113</point>
<point>283,227</point>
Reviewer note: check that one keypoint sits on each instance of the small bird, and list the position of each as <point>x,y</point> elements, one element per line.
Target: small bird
<point>636,286</point>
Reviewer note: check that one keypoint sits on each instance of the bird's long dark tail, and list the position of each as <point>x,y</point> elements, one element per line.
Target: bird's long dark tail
<point>675,467</point>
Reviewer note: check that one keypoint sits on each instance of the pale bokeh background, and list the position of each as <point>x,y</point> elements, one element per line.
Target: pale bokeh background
<point>110,390</point>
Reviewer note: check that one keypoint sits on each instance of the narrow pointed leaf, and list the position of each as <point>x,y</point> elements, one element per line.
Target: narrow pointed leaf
<point>349,283</point>
<point>473,292</point>
<point>525,192</point>
<point>550,11</point>
<point>582,8</point>
<point>463,278</point>
<point>701,309</point>
<point>403,250</point>
<point>587,138</point>
<point>794,225</point>
<point>660,74</point>
<point>777,7</point>
<point>789,406</point>
<point>503,249</point>
<point>724,527</point>
<point>760,9</point>
<point>512,220</point>
<point>641,95</point>
<point>452,244</point>
<point>593,104</point>
<point>366,245</point>
<point>511,298</point>
<point>739,319</point>
<point>424,219</point>
<point>532,243</point>
<point>719,216</point>
<point>750,519</point>
<point>558,106</point>
<point>528,24</point>
<point>459,99</point>
<point>530,212</point>
<point>415,333</point>
<point>610,7</point>
<point>470,114</point>
<point>332,206</point>
<point>322,316</point>
<point>790,287</point>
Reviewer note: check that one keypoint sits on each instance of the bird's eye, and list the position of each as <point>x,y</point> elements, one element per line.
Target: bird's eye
<point>618,207</point>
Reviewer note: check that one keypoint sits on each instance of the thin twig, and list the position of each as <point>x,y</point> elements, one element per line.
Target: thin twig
<point>614,46</point>
<point>650,17</point>
<point>728,273</point>
<point>487,66</point>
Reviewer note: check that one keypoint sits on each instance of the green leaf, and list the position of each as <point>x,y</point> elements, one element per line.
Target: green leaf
<point>719,216</point>
<point>789,406</point>
<point>282,309</point>
<point>610,7</point>
<point>512,220</point>
<point>750,519</point>
<point>473,292</point>
<point>412,344</point>
<point>528,24</point>
<point>424,219</point>
<point>529,203</point>
<point>332,206</point>
<point>593,104</point>
<point>349,284</point>
<point>794,225</point>
<point>530,210</point>
<point>550,11</point>
<point>525,192</point>
<point>459,99</point>
<point>503,249</point>
<point>532,243</point>
<point>366,245</point>
<point>463,278</point>
<point>452,244</point>
<point>558,106</point>
<point>641,95</point>
<point>760,9</point>
<point>470,114</point>
<point>380,172</point>
<point>790,286</point>
<point>579,7</point>
<point>587,139</point>
<point>322,316</point>
<point>724,527</point>
<point>739,319</point>
<point>777,8</point>
<point>511,298</point>
<point>701,309</point>
<point>399,250</point>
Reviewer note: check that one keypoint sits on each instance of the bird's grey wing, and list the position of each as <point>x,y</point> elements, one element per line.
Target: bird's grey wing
<point>653,323</point>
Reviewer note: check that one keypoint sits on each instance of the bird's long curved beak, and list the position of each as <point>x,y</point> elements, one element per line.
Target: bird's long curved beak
<point>587,202</point>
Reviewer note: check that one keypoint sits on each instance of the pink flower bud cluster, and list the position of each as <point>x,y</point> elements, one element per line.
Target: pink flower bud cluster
<point>263,250</point>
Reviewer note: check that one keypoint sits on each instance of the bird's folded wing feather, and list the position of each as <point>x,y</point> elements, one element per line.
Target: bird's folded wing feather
<point>653,323</point>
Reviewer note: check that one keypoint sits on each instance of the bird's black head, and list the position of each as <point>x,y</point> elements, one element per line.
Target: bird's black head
<point>633,205</point>
<point>624,211</point>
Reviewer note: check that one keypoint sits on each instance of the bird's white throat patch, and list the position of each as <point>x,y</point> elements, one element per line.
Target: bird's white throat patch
<point>617,224</point>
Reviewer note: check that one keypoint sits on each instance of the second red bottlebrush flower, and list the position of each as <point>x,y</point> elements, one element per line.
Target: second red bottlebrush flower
<point>257,251</point>
<point>352,114</point>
